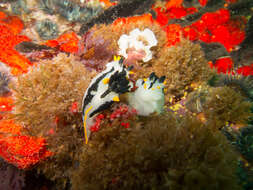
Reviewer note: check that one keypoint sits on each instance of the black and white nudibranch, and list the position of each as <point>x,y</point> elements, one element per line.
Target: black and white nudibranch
<point>103,90</point>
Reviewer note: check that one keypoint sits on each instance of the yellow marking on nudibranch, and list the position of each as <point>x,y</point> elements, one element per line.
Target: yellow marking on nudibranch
<point>115,99</point>
<point>158,87</point>
<point>176,107</point>
<point>165,82</point>
<point>116,58</point>
<point>153,88</point>
<point>165,90</point>
<point>84,124</point>
<point>171,99</point>
<point>131,72</point>
<point>145,86</point>
<point>105,80</point>
<point>145,79</point>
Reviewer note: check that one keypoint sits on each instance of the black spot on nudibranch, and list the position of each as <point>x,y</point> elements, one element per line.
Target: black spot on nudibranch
<point>121,60</point>
<point>161,79</point>
<point>153,78</point>
<point>118,82</point>
<point>104,106</point>
<point>130,68</point>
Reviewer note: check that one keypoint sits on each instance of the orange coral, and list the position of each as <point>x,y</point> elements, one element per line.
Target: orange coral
<point>9,127</point>
<point>174,3</point>
<point>23,151</point>
<point>10,27</point>
<point>67,42</point>
<point>218,27</point>
<point>203,2</point>
<point>133,19</point>
<point>6,104</point>
<point>245,70</point>
<point>174,32</point>
<point>2,15</point>
<point>13,23</point>
<point>107,3</point>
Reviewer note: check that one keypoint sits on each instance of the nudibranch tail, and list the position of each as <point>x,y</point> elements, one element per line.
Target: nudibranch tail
<point>85,124</point>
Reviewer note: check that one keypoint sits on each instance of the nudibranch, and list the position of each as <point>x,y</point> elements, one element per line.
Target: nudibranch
<point>103,90</point>
<point>137,42</point>
<point>148,98</point>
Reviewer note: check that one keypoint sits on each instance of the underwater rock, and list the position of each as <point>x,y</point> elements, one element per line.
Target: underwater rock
<point>47,6</point>
<point>19,7</point>
<point>157,152</point>
<point>244,143</point>
<point>11,177</point>
<point>70,10</point>
<point>241,7</point>
<point>47,29</point>
<point>245,174</point>
<point>212,6</point>
<point>213,51</point>
<point>26,47</point>
<point>244,54</point>
<point>4,82</point>
<point>123,9</point>
<point>239,83</point>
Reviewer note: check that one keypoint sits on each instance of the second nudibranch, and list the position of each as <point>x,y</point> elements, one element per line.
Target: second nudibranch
<point>103,90</point>
<point>148,98</point>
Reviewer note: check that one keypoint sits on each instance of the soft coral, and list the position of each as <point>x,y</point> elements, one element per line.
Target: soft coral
<point>10,27</point>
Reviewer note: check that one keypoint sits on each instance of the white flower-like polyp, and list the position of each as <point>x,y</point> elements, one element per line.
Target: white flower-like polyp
<point>139,41</point>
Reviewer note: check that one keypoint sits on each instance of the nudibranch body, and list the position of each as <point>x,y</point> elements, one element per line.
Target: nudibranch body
<point>148,98</point>
<point>103,90</point>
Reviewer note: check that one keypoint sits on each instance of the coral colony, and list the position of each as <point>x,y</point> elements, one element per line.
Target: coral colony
<point>138,94</point>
